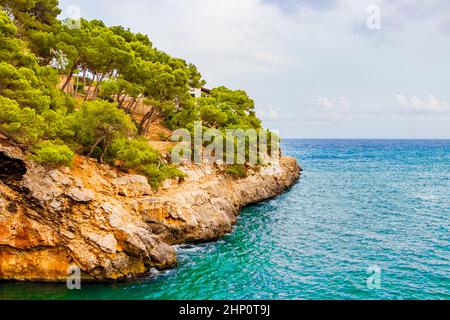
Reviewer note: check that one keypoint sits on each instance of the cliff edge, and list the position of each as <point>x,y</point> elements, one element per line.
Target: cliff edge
<point>113,225</point>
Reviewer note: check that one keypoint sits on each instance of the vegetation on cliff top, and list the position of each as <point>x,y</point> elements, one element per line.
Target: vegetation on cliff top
<point>108,72</point>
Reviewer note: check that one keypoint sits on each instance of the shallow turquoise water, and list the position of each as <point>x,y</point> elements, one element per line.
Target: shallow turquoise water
<point>358,204</point>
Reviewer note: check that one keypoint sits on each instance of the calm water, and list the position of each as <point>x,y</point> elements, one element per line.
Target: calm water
<point>358,204</point>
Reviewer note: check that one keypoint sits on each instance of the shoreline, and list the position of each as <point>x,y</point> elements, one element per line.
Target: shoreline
<point>112,225</point>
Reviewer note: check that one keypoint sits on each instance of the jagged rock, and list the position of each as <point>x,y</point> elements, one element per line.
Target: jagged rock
<point>169,183</point>
<point>132,186</point>
<point>107,242</point>
<point>60,178</point>
<point>41,187</point>
<point>53,219</point>
<point>56,205</point>
<point>137,239</point>
<point>81,195</point>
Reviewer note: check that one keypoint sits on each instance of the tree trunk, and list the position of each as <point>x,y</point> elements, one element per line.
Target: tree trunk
<point>151,121</point>
<point>130,105</point>
<point>121,101</point>
<point>97,85</point>
<point>100,79</point>
<point>100,160</point>
<point>90,86</point>
<point>69,77</point>
<point>78,85</point>
<point>95,146</point>
<point>84,77</point>
<point>146,118</point>
<point>136,105</point>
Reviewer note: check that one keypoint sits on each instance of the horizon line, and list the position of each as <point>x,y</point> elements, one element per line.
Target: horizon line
<point>321,138</point>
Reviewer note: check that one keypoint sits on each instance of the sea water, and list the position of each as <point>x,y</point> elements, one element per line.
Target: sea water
<point>369,219</point>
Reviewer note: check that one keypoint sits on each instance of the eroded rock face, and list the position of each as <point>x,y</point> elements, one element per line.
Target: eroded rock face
<point>132,186</point>
<point>112,225</point>
<point>12,168</point>
<point>81,195</point>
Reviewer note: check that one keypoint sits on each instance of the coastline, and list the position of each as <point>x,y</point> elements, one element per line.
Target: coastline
<point>112,225</point>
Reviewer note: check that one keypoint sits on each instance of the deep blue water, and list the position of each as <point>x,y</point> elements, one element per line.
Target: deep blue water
<point>359,204</point>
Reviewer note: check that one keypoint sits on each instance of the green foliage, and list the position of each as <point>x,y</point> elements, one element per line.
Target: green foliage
<point>33,14</point>
<point>37,23</point>
<point>137,155</point>
<point>27,125</point>
<point>31,108</point>
<point>52,153</point>
<point>24,86</point>
<point>20,124</point>
<point>156,174</point>
<point>236,171</point>
<point>237,106</point>
<point>134,153</point>
<point>110,88</point>
<point>222,109</point>
<point>12,49</point>
<point>97,124</point>
<point>185,117</point>
<point>116,69</point>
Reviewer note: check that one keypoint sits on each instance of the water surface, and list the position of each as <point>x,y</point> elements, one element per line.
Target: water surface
<point>359,204</point>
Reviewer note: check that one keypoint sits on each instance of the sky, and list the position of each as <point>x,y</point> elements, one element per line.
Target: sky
<point>315,68</point>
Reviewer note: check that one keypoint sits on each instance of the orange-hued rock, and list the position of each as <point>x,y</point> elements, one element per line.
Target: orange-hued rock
<point>113,225</point>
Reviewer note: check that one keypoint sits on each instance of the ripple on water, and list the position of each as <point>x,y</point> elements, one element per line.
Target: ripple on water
<point>358,204</point>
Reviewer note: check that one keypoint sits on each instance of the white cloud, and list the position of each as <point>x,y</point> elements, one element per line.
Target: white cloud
<point>340,105</point>
<point>429,104</point>
<point>269,113</point>
<point>290,57</point>
<point>328,110</point>
<point>272,114</point>
<point>345,105</point>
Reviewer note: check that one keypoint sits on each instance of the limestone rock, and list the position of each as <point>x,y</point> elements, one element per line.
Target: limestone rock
<point>81,195</point>
<point>60,178</point>
<point>113,226</point>
<point>132,186</point>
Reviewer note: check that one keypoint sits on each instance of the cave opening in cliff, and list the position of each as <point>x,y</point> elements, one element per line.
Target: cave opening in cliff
<point>11,170</point>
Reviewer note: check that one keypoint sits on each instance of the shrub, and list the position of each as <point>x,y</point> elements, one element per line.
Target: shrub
<point>236,171</point>
<point>22,125</point>
<point>98,123</point>
<point>52,153</point>
<point>138,155</point>
<point>156,174</point>
<point>133,152</point>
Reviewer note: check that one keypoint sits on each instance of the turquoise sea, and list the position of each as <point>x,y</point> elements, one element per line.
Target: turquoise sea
<point>379,204</point>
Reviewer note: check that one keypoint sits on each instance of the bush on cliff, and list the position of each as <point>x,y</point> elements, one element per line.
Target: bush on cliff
<point>133,153</point>
<point>156,174</point>
<point>236,171</point>
<point>137,155</point>
<point>97,124</point>
<point>52,153</point>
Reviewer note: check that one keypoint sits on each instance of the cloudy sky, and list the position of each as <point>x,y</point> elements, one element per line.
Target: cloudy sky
<point>315,68</point>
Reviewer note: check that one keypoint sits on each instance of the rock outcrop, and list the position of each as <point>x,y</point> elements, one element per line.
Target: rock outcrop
<point>112,225</point>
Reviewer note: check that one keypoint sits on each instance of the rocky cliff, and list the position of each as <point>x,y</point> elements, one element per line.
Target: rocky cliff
<point>110,224</point>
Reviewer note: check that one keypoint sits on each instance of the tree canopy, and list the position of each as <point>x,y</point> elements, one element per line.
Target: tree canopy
<point>66,90</point>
